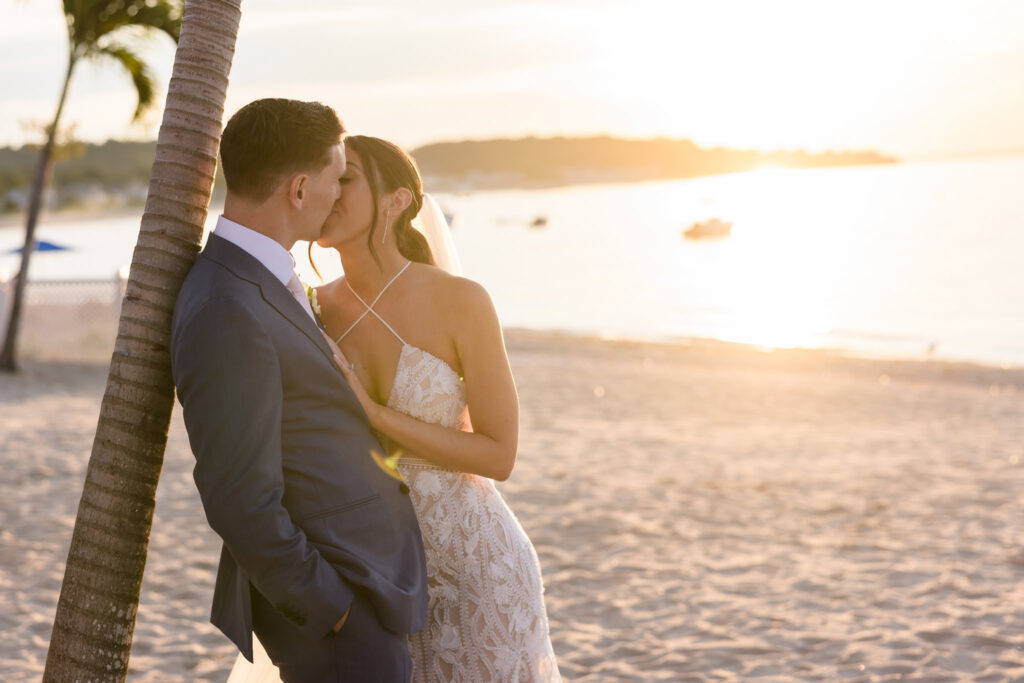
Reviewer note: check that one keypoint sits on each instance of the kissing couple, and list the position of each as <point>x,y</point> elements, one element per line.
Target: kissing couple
<point>364,539</point>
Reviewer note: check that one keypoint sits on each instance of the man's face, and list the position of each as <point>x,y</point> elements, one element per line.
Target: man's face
<point>321,191</point>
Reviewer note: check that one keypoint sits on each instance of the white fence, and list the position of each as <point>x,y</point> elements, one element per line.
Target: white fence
<point>66,319</point>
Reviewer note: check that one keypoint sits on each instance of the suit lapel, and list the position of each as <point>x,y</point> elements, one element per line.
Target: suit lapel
<point>274,293</point>
<point>278,296</point>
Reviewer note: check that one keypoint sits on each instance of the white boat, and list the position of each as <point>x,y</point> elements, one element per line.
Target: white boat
<point>713,227</point>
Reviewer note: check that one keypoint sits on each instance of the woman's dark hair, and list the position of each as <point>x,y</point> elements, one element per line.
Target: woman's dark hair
<point>388,168</point>
<point>268,139</point>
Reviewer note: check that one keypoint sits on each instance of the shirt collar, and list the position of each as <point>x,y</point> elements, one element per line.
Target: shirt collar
<point>267,251</point>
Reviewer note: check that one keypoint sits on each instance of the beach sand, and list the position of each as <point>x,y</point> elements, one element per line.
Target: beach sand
<point>701,512</point>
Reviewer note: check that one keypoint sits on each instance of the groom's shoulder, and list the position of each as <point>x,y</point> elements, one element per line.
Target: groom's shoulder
<point>207,272</point>
<point>210,286</point>
<point>208,278</point>
<point>224,268</point>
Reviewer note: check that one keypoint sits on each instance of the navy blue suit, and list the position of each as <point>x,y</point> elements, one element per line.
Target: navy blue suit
<point>311,525</point>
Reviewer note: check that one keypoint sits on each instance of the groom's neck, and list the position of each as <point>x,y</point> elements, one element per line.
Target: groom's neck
<point>263,217</point>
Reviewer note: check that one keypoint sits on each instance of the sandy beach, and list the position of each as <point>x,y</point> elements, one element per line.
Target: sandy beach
<point>702,512</point>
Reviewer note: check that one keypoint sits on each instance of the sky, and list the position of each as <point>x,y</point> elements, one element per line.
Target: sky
<point>913,78</point>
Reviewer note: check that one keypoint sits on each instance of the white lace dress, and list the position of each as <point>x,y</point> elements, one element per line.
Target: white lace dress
<point>486,619</point>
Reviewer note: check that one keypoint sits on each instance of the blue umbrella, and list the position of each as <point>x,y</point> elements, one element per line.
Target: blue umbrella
<point>41,245</point>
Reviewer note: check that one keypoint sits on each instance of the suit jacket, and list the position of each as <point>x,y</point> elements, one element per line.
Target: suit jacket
<point>283,462</point>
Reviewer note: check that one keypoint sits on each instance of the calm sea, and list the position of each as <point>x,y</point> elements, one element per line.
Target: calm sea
<point>905,260</point>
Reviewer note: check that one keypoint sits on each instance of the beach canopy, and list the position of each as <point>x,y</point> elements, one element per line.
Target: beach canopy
<point>41,245</point>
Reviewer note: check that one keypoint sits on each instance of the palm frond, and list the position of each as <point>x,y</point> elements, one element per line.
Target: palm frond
<point>142,79</point>
<point>89,21</point>
<point>161,16</point>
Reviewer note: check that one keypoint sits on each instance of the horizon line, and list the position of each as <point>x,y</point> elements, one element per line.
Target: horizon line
<point>923,156</point>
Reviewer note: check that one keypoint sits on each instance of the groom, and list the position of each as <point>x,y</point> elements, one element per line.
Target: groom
<point>322,555</point>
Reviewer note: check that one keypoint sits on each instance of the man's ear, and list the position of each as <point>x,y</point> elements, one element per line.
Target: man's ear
<point>297,189</point>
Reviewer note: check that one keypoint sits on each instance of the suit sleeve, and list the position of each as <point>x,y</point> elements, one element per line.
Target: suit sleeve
<point>228,378</point>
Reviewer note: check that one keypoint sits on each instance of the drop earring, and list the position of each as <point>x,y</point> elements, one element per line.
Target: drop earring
<point>387,224</point>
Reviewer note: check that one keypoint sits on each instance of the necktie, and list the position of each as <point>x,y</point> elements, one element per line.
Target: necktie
<point>297,290</point>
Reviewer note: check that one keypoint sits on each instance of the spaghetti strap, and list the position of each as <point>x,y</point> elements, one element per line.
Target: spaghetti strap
<point>377,315</point>
<point>353,325</point>
<point>369,307</point>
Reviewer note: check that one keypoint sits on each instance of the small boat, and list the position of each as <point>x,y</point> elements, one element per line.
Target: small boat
<point>539,222</point>
<point>713,227</point>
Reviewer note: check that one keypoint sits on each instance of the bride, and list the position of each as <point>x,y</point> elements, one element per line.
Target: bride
<point>423,350</point>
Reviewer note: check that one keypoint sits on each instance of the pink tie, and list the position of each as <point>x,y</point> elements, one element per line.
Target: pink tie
<point>295,287</point>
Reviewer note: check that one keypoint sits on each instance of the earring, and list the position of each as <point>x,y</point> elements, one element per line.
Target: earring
<point>387,224</point>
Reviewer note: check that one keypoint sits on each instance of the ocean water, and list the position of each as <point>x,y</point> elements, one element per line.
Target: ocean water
<point>910,260</point>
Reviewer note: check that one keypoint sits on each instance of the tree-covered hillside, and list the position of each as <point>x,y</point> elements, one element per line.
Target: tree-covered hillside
<point>117,173</point>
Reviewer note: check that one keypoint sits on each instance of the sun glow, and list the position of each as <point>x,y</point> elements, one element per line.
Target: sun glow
<point>791,74</point>
<point>771,304</point>
<point>776,279</point>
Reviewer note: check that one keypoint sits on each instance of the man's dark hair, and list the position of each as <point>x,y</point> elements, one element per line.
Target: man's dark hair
<point>267,140</point>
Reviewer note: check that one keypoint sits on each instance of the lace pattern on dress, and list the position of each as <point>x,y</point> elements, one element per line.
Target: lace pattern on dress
<point>425,387</point>
<point>486,621</point>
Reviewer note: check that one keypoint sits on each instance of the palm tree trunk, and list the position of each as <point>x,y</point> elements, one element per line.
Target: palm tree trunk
<point>8,360</point>
<point>92,631</point>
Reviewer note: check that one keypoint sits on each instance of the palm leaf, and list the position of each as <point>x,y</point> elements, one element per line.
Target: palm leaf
<point>163,16</point>
<point>89,21</point>
<point>142,79</point>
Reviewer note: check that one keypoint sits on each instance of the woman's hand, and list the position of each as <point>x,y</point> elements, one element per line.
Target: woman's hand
<point>371,407</point>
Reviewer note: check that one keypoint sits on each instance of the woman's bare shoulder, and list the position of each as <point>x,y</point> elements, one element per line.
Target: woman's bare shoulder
<point>452,292</point>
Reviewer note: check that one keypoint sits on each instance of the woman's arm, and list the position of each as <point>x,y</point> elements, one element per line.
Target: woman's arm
<point>490,449</point>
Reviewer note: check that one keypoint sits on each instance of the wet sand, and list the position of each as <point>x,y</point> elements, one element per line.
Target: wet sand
<point>701,512</point>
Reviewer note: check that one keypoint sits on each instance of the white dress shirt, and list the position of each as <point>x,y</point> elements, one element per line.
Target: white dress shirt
<point>267,251</point>
<point>270,253</point>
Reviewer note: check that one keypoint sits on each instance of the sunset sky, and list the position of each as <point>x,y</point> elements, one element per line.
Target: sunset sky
<point>911,78</point>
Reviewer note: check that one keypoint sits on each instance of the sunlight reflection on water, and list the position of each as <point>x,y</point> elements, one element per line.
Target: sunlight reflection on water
<point>894,259</point>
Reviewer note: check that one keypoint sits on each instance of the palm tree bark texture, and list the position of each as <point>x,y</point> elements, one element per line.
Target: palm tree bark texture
<point>94,30</point>
<point>92,631</point>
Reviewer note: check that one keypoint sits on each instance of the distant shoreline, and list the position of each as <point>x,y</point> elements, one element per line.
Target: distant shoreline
<point>443,184</point>
<point>709,350</point>
<point>116,173</point>
<point>505,183</point>
<point>76,215</point>
<point>17,220</point>
<point>48,336</point>
<point>562,161</point>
